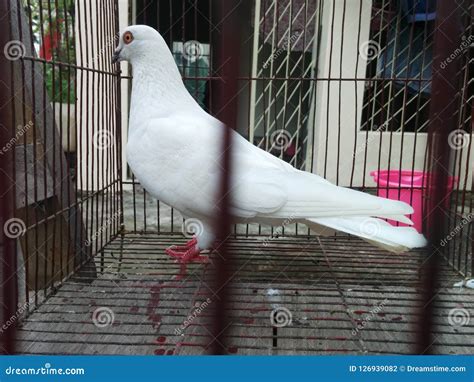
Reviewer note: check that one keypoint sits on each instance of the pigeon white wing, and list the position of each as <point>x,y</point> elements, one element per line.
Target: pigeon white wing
<point>185,153</point>
<point>263,187</point>
<point>259,180</point>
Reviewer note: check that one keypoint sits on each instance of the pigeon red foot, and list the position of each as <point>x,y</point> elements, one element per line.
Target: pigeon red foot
<point>185,254</point>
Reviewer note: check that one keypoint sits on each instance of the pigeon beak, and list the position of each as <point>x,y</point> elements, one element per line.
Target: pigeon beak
<point>116,57</point>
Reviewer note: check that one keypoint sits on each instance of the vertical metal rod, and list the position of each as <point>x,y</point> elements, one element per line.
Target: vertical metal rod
<point>443,111</point>
<point>225,109</point>
<point>7,244</point>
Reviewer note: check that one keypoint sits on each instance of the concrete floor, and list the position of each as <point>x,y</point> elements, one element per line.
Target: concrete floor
<point>294,296</point>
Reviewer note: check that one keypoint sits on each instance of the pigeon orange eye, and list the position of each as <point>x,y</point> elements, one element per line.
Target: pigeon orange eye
<point>127,38</point>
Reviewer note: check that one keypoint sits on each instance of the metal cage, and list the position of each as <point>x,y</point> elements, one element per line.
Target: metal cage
<point>335,87</point>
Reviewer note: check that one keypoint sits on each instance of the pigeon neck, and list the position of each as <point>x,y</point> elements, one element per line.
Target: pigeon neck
<point>157,85</point>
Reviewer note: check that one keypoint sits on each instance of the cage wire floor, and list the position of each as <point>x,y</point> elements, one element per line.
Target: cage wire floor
<point>343,296</point>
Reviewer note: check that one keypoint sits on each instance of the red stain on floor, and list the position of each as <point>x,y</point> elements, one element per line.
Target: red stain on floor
<point>258,309</point>
<point>161,339</point>
<point>159,352</point>
<point>232,349</point>
<point>153,304</point>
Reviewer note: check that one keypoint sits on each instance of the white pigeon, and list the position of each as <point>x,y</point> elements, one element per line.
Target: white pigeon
<point>174,150</point>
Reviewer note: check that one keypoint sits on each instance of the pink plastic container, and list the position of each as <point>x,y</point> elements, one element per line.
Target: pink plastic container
<point>407,186</point>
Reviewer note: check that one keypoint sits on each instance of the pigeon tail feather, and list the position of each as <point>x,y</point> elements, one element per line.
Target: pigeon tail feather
<point>375,231</point>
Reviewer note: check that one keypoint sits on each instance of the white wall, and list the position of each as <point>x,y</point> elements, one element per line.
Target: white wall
<point>95,133</point>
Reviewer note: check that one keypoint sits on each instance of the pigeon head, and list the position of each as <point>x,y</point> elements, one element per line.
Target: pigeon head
<point>157,82</point>
<point>138,42</point>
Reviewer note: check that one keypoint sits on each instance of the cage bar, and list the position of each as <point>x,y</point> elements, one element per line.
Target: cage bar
<point>338,88</point>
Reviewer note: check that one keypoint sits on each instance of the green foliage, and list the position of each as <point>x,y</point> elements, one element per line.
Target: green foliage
<point>58,86</point>
<point>51,18</point>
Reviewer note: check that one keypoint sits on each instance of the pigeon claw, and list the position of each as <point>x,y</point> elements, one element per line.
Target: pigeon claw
<point>192,255</point>
<point>182,248</point>
<point>185,254</point>
<point>175,253</point>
